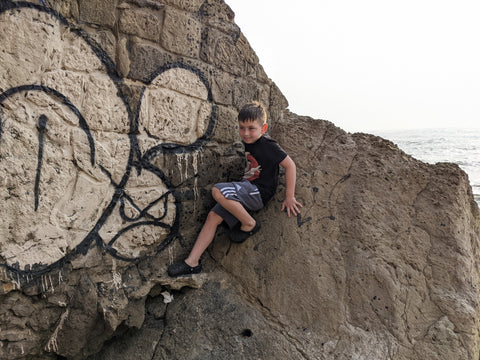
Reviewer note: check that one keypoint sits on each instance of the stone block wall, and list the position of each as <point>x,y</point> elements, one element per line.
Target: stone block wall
<point>97,96</point>
<point>116,117</point>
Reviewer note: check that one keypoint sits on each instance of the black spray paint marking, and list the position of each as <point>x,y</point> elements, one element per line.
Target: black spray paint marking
<point>1,125</point>
<point>301,221</point>
<point>330,207</point>
<point>60,97</point>
<point>42,128</point>
<point>137,160</point>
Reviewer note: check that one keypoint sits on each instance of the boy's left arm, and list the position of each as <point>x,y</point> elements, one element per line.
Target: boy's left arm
<point>290,203</point>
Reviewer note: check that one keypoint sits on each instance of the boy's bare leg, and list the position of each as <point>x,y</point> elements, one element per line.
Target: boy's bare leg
<point>206,235</point>
<point>204,238</point>
<point>236,209</point>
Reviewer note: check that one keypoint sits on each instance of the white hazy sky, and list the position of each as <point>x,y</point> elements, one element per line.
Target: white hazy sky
<point>372,64</point>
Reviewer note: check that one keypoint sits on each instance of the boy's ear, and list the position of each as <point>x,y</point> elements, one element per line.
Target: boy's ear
<point>264,128</point>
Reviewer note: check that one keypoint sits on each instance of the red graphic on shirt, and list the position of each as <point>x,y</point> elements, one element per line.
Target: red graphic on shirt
<point>252,170</point>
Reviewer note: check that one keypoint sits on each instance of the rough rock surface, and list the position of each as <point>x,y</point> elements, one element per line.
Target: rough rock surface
<point>383,261</point>
<point>116,117</point>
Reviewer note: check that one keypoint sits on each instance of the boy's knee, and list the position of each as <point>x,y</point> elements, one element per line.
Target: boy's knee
<point>214,218</point>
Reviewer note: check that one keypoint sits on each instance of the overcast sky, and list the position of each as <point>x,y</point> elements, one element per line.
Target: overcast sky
<point>372,64</point>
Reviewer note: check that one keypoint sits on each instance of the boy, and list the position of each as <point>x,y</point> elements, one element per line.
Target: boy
<point>257,187</point>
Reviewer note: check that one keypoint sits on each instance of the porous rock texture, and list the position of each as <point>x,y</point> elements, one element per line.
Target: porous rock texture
<point>116,117</point>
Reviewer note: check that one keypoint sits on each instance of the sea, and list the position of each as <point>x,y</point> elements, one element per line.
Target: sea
<point>459,146</point>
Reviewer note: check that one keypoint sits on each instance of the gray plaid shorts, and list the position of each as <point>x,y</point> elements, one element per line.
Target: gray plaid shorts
<point>244,192</point>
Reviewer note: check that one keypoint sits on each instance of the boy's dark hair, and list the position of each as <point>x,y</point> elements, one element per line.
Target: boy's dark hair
<point>253,111</point>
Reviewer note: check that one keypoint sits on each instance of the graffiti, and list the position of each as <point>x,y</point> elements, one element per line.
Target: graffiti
<point>78,172</point>
<point>42,127</point>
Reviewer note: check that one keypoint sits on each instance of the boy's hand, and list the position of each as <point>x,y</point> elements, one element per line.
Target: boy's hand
<point>292,206</point>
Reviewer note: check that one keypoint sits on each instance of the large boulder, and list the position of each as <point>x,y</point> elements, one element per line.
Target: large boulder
<point>382,260</point>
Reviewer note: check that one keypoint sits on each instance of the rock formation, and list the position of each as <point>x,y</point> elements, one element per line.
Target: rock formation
<point>116,117</point>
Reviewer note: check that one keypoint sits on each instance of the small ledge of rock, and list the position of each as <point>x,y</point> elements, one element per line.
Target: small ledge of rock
<point>194,281</point>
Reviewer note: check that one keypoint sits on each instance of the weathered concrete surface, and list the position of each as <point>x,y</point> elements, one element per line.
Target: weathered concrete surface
<point>116,117</point>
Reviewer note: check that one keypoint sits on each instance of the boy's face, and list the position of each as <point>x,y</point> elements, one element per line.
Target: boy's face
<point>251,130</point>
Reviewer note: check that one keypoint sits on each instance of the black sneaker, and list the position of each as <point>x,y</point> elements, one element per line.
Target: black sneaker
<point>182,268</point>
<point>238,236</point>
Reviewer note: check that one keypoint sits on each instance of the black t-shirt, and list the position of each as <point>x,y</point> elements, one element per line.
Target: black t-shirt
<point>263,157</point>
